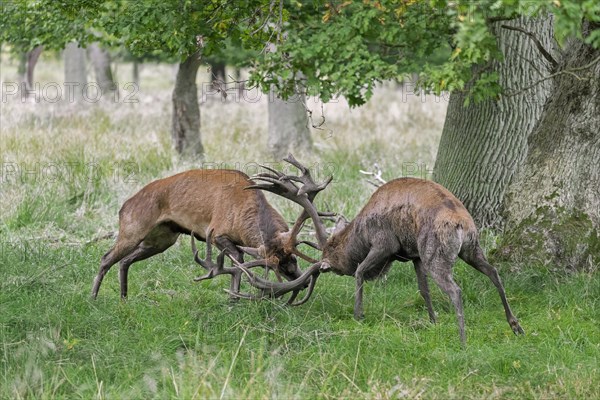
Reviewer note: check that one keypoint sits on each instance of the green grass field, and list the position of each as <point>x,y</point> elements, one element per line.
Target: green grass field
<point>67,170</point>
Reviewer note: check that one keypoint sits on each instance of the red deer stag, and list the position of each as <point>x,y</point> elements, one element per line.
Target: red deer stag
<point>211,203</point>
<point>406,219</point>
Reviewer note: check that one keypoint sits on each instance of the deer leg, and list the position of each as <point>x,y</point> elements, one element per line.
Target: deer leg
<point>424,288</point>
<point>477,260</point>
<point>157,241</point>
<point>120,250</point>
<point>377,257</point>
<point>440,270</point>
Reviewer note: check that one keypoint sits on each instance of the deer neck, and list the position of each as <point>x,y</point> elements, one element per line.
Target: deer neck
<point>346,249</point>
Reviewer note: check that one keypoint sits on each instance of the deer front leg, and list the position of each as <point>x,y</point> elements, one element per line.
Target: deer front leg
<point>377,257</point>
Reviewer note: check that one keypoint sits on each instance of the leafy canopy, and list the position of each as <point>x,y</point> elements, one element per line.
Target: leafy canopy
<point>341,47</point>
<point>345,48</point>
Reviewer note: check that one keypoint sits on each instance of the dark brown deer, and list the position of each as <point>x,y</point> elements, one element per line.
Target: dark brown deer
<point>406,219</point>
<point>208,203</point>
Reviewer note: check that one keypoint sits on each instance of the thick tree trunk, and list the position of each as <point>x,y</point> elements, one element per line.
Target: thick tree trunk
<point>288,125</point>
<point>482,145</point>
<point>100,59</point>
<point>553,204</point>
<point>75,73</point>
<point>186,110</point>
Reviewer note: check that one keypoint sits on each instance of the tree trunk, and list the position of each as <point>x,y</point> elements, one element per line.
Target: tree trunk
<point>553,204</point>
<point>100,59</point>
<point>135,73</point>
<point>22,67</point>
<point>482,145</point>
<point>32,59</point>
<point>75,73</point>
<point>288,125</point>
<point>186,110</point>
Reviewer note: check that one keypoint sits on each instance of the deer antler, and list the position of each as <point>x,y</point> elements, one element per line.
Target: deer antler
<point>376,175</point>
<point>283,185</point>
<point>214,269</point>
<point>278,289</point>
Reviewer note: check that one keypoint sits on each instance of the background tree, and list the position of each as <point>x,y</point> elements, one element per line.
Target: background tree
<point>101,61</point>
<point>553,203</point>
<point>288,125</point>
<point>29,26</point>
<point>499,60</point>
<point>186,31</point>
<point>75,71</point>
<point>484,143</point>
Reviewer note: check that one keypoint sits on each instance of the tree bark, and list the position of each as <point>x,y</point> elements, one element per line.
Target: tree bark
<point>288,125</point>
<point>32,59</point>
<point>22,67</point>
<point>553,204</point>
<point>135,72</point>
<point>482,145</point>
<point>101,60</point>
<point>75,72</point>
<point>186,110</point>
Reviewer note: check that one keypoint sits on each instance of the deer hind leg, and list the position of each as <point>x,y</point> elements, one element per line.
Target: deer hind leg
<point>424,288</point>
<point>440,270</point>
<point>158,241</point>
<point>477,260</point>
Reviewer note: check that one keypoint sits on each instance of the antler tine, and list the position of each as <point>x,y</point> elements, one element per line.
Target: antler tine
<point>309,186</point>
<point>377,175</point>
<point>311,287</point>
<point>207,263</point>
<point>292,160</point>
<point>278,289</point>
<point>309,243</point>
<point>214,269</point>
<point>274,171</point>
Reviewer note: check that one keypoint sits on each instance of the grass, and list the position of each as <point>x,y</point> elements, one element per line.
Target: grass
<point>67,170</point>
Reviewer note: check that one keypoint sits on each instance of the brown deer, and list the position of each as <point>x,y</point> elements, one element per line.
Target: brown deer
<point>204,203</point>
<point>406,219</point>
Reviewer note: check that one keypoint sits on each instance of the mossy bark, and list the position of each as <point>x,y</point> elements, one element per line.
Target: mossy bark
<point>553,204</point>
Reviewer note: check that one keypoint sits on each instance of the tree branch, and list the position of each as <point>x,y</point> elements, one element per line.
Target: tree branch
<point>538,44</point>
<point>570,71</point>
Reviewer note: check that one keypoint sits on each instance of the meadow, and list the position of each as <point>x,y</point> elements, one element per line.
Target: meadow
<point>66,170</point>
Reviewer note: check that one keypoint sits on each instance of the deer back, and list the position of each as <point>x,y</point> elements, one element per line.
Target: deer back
<point>200,200</point>
<point>405,211</point>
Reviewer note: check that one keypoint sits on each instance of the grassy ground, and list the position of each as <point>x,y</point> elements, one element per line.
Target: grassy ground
<point>66,171</point>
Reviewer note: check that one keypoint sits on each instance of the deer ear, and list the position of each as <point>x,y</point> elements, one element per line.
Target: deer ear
<point>256,252</point>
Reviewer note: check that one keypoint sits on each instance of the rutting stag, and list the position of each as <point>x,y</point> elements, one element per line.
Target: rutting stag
<point>208,203</point>
<point>406,219</point>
